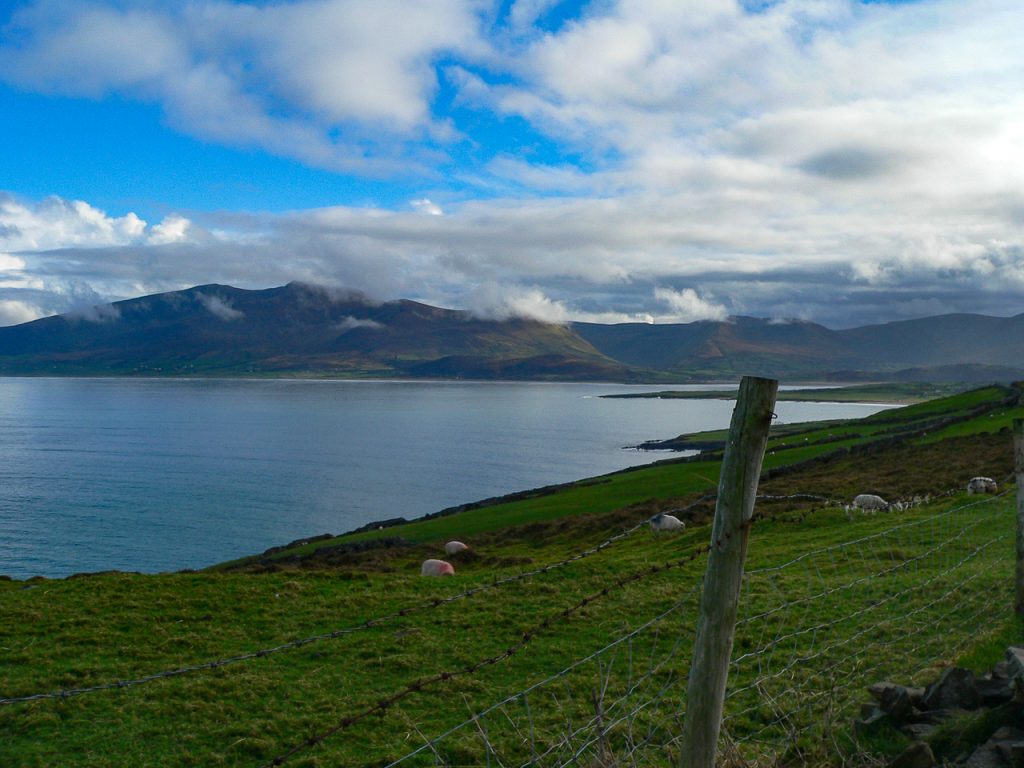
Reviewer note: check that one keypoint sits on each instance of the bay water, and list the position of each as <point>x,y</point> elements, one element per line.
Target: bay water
<point>157,474</point>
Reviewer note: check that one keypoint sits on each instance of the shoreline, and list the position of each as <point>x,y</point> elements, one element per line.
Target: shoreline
<point>879,393</point>
<point>697,443</point>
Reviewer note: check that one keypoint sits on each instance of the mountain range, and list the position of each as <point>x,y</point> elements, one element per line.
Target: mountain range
<point>301,329</point>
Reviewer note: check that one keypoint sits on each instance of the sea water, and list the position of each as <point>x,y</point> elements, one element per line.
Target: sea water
<point>157,474</point>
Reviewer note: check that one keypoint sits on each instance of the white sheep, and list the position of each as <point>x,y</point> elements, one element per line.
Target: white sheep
<point>663,522</point>
<point>436,568</point>
<point>869,501</point>
<point>982,485</point>
<point>454,547</point>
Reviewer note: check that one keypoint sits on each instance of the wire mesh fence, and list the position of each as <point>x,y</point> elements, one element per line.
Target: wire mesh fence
<point>813,632</point>
<point>594,708</point>
<point>817,629</point>
<point>599,678</point>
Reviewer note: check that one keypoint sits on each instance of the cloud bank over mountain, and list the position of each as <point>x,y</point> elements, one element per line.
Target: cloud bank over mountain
<point>832,160</point>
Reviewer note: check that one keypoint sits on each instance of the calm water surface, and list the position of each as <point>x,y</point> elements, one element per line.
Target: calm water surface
<point>154,475</point>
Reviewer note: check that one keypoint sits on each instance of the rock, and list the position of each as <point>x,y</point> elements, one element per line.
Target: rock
<point>994,691</point>
<point>917,755</point>
<point>985,757</point>
<point>1002,670</point>
<point>1004,748</point>
<point>1013,753</point>
<point>896,702</point>
<point>1007,736</point>
<point>918,731</point>
<point>1015,659</point>
<point>954,688</point>
<point>868,724</point>
<point>878,689</point>
<point>932,716</point>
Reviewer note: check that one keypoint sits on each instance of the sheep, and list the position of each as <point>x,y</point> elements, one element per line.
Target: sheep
<point>454,547</point>
<point>982,485</point>
<point>436,568</point>
<point>663,522</point>
<point>869,501</point>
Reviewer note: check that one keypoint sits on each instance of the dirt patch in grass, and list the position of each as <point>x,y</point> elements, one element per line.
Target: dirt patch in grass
<point>899,470</point>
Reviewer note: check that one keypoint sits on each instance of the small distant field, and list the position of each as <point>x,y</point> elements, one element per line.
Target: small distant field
<point>585,661</point>
<point>857,393</point>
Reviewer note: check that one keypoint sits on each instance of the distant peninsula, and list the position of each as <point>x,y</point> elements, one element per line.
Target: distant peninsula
<point>890,393</point>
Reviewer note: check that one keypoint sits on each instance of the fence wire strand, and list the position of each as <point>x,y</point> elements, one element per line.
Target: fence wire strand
<point>427,605</point>
<point>384,704</point>
<point>813,624</point>
<point>371,623</point>
<point>831,624</point>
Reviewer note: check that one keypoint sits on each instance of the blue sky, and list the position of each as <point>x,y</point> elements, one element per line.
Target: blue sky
<point>623,160</point>
<point>118,150</point>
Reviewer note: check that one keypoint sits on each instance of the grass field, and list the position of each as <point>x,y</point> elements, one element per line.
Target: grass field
<point>833,600</point>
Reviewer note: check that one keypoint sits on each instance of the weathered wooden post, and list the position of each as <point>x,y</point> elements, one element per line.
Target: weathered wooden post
<point>1018,460</point>
<point>737,487</point>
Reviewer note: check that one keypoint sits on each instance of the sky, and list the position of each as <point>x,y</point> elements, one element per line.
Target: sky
<point>839,161</point>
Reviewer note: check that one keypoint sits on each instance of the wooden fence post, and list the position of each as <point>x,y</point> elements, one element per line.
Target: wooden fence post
<point>1018,456</point>
<point>737,488</point>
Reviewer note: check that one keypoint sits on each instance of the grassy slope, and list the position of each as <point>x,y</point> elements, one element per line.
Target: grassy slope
<point>88,630</point>
<point>788,445</point>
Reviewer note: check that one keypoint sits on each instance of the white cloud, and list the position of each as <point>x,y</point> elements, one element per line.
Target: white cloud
<point>687,306</point>
<point>572,258</point>
<point>524,13</point>
<point>9,263</point>
<point>13,312</point>
<point>491,301</point>
<point>805,160</point>
<point>331,58</point>
<point>59,223</point>
<point>424,205</point>
<point>611,318</point>
<point>282,76</point>
<point>646,69</point>
<point>217,306</point>
<point>351,323</point>
<point>95,313</point>
<point>56,222</point>
<point>173,229</point>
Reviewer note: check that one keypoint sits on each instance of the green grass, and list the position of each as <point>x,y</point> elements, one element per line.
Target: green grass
<point>890,606</point>
<point>84,631</point>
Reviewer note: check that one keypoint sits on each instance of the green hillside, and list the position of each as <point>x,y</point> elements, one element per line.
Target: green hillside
<point>835,599</point>
<point>297,329</point>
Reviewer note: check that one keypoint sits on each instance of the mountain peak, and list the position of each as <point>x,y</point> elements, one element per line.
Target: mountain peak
<point>301,327</point>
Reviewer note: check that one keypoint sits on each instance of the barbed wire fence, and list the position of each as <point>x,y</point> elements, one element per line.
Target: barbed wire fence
<point>888,604</point>
<point>376,621</point>
<point>813,631</point>
<point>386,618</point>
